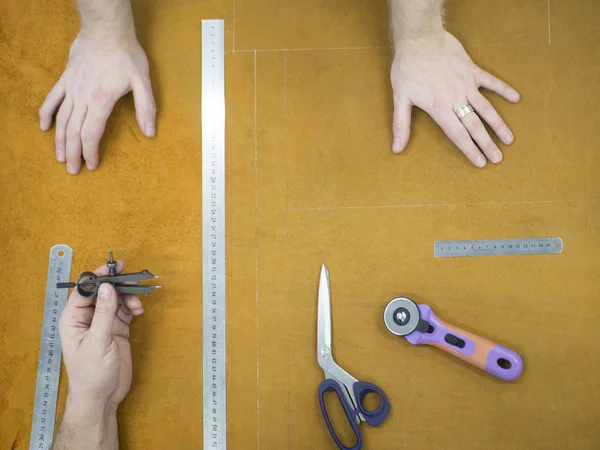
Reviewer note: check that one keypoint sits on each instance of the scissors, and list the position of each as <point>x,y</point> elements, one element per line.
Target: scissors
<point>349,390</point>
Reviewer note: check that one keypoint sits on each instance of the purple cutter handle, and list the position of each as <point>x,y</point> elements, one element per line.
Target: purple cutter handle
<point>482,353</point>
<point>361,389</point>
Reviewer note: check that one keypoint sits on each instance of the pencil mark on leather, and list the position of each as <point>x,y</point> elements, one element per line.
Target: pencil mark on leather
<point>133,132</point>
<point>16,441</point>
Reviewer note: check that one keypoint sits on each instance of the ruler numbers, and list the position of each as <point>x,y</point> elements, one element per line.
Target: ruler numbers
<point>213,240</point>
<point>44,410</point>
<point>527,246</point>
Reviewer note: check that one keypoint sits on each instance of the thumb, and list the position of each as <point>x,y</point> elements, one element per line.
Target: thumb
<point>105,313</point>
<point>145,107</point>
<point>401,124</point>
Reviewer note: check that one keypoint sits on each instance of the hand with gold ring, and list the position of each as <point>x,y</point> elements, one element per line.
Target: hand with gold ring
<point>434,72</point>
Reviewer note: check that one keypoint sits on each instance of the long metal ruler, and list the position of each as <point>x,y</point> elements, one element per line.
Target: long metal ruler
<point>214,357</point>
<point>48,374</point>
<point>495,247</point>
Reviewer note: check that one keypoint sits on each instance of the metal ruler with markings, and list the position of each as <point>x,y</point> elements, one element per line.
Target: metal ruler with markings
<point>495,247</point>
<point>214,357</point>
<point>48,374</point>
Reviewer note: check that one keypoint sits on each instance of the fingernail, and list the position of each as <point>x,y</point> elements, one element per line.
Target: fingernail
<point>508,137</point>
<point>60,156</point>
<point>103,292</point>
<point>90,166</point>
<point>480,161</point>
<point>150,129</point>
<point>497,156</point>
<point>43,125</point>
<point>71,169</point>
<point>396,145</point>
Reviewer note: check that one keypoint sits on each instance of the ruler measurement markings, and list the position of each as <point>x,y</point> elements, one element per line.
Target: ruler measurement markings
<point>213,236</point>
<point>523,246</point>
<point>48,375</point>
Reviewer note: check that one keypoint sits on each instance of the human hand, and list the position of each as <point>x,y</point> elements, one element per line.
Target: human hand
<point>98,74</point>
<point>95,339</point>
<point>434,73</point>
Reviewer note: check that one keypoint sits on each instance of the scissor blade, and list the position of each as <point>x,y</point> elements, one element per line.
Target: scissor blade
<point>324,317</point>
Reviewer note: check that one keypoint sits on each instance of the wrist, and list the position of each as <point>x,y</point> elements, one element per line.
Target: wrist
<point>87,412</point>
<point>88,424</point>
<point>419,46</point>
<point>108,25</point>
<point>411,36</point>
<point>415,20</point>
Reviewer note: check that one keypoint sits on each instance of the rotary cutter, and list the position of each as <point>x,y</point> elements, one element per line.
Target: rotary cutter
<point>88,283</point>
<point>419,325</point>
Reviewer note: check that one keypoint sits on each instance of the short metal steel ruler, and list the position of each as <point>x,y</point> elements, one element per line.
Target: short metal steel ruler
<point>495,247</point>
<point>48,374</point>
<point>214,357</point>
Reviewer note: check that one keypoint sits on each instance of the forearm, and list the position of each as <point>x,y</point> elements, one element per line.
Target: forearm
<point>412,19</point>
<point>87,425</point>
<point>106,20</point>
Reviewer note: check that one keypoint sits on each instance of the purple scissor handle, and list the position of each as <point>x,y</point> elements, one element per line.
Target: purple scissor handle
<point>355,412</point>
<point>350,392</point>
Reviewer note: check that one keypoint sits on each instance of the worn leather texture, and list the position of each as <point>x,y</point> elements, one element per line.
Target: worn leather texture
<point>311,180</point>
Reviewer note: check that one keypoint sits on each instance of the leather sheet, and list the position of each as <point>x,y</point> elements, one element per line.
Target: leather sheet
<point>311,180</point>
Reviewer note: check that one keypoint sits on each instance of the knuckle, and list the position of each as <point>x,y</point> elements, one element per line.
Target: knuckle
<point>73,155</point>
<point>487,109</point>
<point>489,146</point>
<point>89,134</point>
<point>72,133</point>
<point>460,136</point>
<point>102,308</point>
<point>497,83</point>
<point>149,108</point>
<point>397,125</point>
<point>475,125</point>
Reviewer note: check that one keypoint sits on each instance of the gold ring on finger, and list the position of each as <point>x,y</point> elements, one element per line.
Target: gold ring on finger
<point>463,111</point>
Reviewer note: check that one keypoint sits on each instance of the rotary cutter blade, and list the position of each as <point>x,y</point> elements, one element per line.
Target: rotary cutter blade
<point>401,317</point>
<point>419,325</point>
<point>88,283</point>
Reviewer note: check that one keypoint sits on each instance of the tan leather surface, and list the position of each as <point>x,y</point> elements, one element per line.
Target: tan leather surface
<point>311,180</point>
